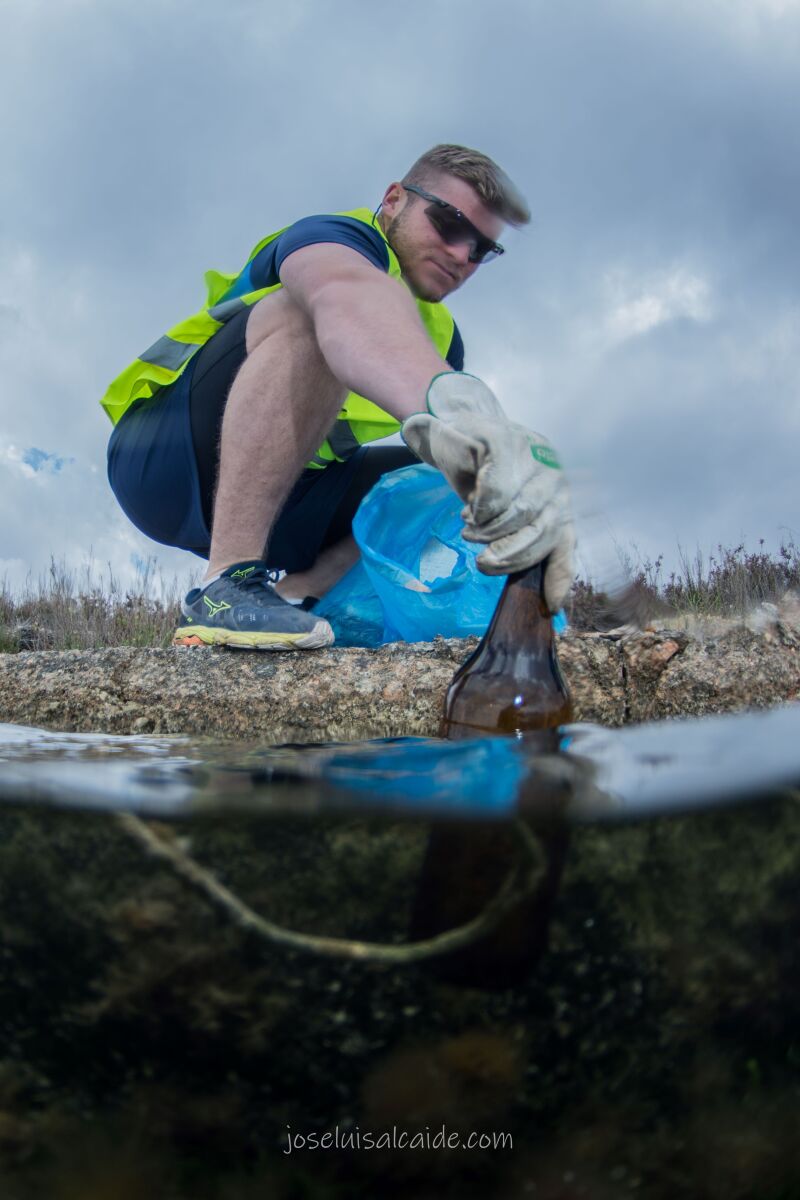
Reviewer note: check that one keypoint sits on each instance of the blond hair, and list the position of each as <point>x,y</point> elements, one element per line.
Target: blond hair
<point>491,183</point>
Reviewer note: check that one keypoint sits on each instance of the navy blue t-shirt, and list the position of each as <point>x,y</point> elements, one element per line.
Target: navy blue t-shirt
<point>264,270</point>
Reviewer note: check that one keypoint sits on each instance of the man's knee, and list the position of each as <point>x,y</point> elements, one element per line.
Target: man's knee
<point>278,315</point>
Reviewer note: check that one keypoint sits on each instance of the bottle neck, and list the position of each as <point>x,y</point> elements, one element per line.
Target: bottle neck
<point>521,613</point>
<point>531,579</point>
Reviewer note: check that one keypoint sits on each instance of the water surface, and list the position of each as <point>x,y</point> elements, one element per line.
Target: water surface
<point>589,773</point>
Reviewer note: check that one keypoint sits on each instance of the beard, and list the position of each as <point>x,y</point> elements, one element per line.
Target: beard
<point>396,237</point>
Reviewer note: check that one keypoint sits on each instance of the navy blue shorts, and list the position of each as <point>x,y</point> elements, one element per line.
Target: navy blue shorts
<point>162,465</point>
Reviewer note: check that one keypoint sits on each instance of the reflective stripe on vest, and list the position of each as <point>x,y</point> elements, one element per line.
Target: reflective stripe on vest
<point>359,420</point>
<point>342,440</point>
<point>166,352</point>
<point>229,308</point>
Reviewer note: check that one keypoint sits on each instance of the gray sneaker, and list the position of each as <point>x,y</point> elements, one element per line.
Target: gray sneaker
<point>242,609</point>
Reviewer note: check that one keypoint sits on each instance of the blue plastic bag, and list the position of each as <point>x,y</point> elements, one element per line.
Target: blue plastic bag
<point>409,532</point>
<point>417,576</point>
<point>353,610</point>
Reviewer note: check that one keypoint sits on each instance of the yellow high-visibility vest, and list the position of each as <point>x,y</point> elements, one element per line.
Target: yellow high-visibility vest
<point>359,420</point>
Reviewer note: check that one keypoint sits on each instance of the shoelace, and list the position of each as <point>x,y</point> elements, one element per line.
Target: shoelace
<point>259,577</point>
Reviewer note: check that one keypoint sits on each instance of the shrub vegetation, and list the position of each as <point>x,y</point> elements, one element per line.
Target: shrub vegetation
<point>89,609</point>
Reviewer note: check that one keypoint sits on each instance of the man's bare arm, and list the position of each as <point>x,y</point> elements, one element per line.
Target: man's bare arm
<point>367,326</point>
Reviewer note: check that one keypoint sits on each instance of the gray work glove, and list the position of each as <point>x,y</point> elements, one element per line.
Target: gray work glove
<point>516,497</point>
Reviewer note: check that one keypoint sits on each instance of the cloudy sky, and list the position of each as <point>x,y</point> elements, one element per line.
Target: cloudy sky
<point>647,321</point>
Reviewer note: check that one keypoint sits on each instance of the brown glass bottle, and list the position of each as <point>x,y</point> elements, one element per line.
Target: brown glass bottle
<point>512,684</point>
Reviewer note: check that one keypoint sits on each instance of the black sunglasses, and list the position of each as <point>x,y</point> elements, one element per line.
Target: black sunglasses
<point>454,228</point>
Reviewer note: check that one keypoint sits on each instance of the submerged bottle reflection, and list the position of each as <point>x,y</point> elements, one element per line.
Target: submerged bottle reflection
<point>512,684</point>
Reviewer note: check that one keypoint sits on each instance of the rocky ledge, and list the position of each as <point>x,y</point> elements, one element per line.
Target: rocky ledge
<point>397,690</point>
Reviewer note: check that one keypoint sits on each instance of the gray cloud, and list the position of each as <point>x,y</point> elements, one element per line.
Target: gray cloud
<point>648,320</point>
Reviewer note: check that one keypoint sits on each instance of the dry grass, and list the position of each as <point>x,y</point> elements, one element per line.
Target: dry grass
<point>88,609</point>
<point>732,582</point>
<point>729,583</point>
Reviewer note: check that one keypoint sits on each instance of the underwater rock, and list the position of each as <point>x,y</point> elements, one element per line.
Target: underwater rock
<point>657,1036</point>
